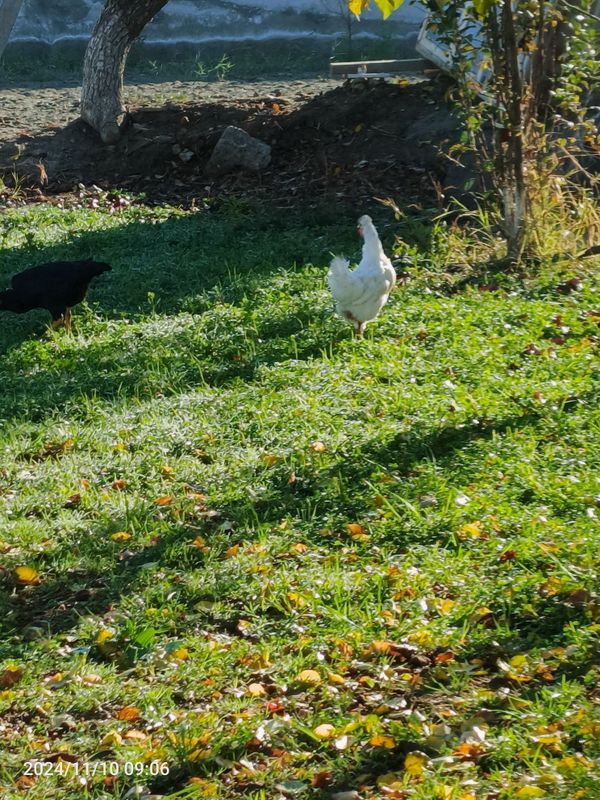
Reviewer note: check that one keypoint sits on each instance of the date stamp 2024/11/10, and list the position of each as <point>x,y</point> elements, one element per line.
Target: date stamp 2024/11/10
<point>89,769</point>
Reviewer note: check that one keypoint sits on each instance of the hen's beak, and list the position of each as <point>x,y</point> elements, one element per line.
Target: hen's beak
<point>359,229</point>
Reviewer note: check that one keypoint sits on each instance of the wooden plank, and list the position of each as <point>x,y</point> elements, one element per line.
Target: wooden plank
<point>347,68</point>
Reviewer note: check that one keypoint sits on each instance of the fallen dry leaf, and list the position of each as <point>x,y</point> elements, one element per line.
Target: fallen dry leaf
<point>10,676</point>
<point>129,713</point>
<point>27,575</point>
<point>309,676</point>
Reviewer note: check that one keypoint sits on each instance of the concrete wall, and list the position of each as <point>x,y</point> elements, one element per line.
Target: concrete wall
<point>51,21</point>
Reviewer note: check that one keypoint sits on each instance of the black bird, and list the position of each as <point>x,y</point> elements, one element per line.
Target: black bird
<point>56,286</point>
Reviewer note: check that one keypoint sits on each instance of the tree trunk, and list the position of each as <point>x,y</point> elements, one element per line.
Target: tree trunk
<point>9,11</point>
<point>514,194</point>
<point>120,23</point>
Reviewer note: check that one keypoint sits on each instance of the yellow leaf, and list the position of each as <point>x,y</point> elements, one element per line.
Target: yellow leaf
<point>356,7</point>
<point>206,788</point>
<point>318,447</point>
<point>309,676</point>
<point>232,551</point>
<point>443,792</point>
<point>111,738</point>
<point>471,530</point>
<point>551,586</point>
<point>27,575</point>
<point>335,679</point>
<point>103,636</point>
<point>269,460</point>
<point>530,791</point>
<point>256,690</point>
<point>380,740</point>
<point>445,605</point>
<point>120,536</point>
<point>391,780</point>
<point>164,500</point>
<point>388,6</point>
<point>414,763</point>
<point>91,679</point>
<point>296,599</point>
<point>324,731</point>
<point>167,470</point>
<point>181,654</point>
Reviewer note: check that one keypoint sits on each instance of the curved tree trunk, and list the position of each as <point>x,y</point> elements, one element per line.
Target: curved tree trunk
<point>120,23</point>
<point>9,11</point>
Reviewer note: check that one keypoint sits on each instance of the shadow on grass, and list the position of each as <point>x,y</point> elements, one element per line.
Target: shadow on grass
<point>61,602</point>
<point>180,266</point>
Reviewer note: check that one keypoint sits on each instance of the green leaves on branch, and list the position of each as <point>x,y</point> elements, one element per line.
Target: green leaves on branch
<point>482,7</point>
<point>385,6</point>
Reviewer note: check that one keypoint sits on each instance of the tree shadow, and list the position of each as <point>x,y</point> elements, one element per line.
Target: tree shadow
<point>60,603</point>
<point>166,279</point>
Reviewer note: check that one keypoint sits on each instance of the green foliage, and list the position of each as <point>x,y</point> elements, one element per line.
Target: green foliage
<point>524,74</point>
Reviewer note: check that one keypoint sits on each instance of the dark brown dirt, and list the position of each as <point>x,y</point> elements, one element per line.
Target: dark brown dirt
<point>357,140</point>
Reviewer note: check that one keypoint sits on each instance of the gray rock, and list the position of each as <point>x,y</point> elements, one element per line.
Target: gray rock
<point>237,149</point>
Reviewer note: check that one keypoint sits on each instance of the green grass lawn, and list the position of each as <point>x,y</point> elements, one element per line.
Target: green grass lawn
<point>281,562</point>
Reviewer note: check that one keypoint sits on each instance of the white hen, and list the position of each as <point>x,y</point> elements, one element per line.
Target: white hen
<point>361,294</point>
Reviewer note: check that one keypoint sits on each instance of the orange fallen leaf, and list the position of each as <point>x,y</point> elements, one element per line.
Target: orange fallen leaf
<point>129,713</point>
<point>357,531</point>
<point>164,500</point>
<point>380,740</point>
<point>299,548</point>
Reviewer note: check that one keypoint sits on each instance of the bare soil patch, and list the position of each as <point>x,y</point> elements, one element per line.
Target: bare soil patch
<point>330,141</point>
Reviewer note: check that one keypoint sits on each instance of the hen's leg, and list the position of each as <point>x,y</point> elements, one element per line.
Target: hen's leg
<point>68,317</point>
<point>359,329</point>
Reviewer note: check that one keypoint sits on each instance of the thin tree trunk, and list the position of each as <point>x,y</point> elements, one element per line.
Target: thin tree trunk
<point>9,11</point>
<point>515,190</point>
<point>120,23</point>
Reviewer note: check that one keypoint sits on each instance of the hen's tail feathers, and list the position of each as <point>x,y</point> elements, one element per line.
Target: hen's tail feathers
<point>338,266</point>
